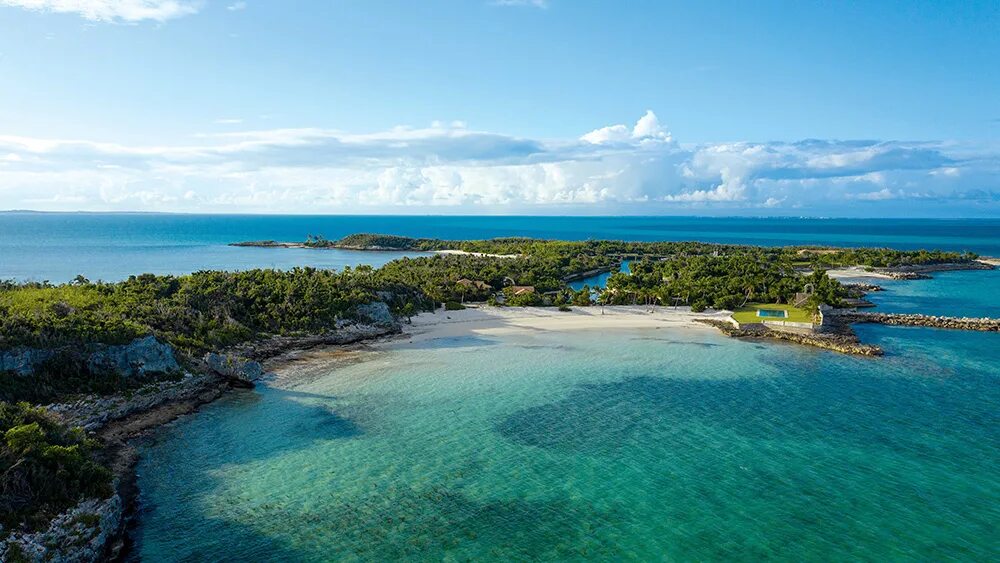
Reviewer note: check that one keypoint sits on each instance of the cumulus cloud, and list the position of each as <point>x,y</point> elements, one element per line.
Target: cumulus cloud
<point>112,10</point>
<point>619,169</point>
<point>648,128</point>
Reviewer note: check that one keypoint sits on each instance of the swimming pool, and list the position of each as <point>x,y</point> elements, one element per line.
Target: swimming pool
<point>772,313</point>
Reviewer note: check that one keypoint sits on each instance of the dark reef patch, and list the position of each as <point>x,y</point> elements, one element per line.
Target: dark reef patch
<point>830,405</point>
<point>395,523</point>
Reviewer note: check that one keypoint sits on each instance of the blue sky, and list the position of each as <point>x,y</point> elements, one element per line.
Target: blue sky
<point>501,106</point>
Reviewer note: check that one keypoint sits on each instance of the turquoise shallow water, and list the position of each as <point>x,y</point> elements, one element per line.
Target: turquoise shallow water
<point>972,293</point>
<point>650,444</point>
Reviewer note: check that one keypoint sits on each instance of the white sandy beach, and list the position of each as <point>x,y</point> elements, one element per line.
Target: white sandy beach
<point>487,320</point>
<point>855,272</point>
<point>506,320</point>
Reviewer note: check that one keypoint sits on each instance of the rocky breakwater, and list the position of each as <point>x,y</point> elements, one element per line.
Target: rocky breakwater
<point>984,324</point>
<point>920,272</point>
<point>841,340</point>
<point>860,289</point>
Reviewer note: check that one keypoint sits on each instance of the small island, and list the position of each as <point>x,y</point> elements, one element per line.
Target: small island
<point>87,366</point>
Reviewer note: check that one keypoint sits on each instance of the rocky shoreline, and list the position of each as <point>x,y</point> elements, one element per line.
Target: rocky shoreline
<point>96,529</point>
<point>327,246</point>
<point>921,272</point>
<point>269,244</point>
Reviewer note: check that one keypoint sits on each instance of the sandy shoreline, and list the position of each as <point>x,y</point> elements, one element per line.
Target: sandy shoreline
<point>303,365</point>
<point>855,272</point>
<point>508,320</point>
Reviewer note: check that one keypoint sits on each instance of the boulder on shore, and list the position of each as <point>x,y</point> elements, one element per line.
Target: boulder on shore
<point>240,370</point>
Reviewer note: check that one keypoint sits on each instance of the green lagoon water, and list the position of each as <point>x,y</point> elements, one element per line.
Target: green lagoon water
<point>651,445</point>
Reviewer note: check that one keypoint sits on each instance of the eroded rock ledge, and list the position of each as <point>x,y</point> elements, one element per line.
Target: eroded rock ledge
<point>139,358</point>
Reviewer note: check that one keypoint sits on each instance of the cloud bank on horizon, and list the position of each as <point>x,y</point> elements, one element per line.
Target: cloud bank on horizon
<point>637,168</point>
<point>124,11</point>
<point>133,11</point>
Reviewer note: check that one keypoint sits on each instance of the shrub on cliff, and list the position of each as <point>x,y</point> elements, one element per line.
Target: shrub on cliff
<point>44,467</point>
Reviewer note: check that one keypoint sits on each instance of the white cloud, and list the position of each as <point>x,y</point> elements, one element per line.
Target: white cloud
<point>647,128</point>
<point>447,165</point>
<point>237,6</point>
<point>112,10</point>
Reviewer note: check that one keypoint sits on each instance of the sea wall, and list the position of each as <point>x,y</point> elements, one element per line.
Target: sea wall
<point>984,324</point>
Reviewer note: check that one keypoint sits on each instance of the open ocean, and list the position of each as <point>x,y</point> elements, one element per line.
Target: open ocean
<point>58,246</point>
<point>643,445</point>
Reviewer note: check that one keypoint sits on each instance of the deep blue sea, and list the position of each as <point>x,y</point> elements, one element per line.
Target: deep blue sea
<point>57,247</point>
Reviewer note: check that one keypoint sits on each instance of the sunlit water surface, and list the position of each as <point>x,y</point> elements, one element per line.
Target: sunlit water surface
<point>655,444</point>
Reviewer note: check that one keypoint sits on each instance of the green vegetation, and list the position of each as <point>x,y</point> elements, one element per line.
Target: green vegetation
<point>44,467</point>
<point>202,311</point>
<point>803,256</point>
<point>368,241</point>
<point>748,314</point>
<point>880,257</point>
<point>726,281</point>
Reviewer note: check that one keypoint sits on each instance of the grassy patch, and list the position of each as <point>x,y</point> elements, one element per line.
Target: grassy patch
<point>748,314</point>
